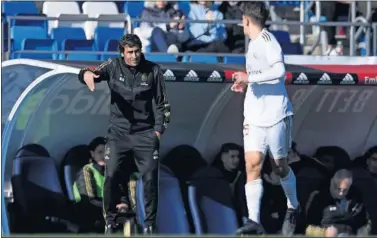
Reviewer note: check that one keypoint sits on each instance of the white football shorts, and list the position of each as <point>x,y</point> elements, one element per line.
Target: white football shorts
<point>276,139</point>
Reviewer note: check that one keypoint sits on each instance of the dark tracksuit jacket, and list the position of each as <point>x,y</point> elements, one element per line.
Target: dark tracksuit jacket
<point>347,215</point>
<point>132,142</point>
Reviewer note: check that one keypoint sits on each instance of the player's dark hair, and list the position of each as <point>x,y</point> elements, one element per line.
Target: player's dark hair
<point>256,11</point>
<point>129,40</point>
<point>96,142</point>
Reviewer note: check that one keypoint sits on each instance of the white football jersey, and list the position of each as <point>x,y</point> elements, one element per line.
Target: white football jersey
<point>266,103</point>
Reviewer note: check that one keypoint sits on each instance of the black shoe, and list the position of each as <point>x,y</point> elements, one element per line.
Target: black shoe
<point>250,228</point>
<point>109,229</point>
<point>290,221</point>
<point>149,230</point>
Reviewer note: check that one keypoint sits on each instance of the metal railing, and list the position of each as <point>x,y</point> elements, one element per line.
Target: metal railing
<point>130,22</point>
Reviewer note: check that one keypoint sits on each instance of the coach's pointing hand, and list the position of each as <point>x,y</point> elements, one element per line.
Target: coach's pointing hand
<point>89,79</point>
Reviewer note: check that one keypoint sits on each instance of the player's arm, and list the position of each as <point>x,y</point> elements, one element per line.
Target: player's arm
<point>162,113</point>
<point>274,56</point>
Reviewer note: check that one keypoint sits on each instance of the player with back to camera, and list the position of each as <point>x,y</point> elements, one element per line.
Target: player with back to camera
<point>134,132</point>
<point>268,117</point>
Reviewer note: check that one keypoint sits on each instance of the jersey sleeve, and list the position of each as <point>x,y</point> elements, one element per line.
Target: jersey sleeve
<point>274,53</point>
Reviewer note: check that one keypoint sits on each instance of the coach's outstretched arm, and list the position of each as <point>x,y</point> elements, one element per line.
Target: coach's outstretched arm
<point>275,60</point>
<point>162,114</point>
<point>101,73</point>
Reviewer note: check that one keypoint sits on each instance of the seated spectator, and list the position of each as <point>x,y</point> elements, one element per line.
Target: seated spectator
<point>88,189</point>
<point>184,161</point>
<point>337,209</point>
<point>298,161</point>
<point>371,159</point>
<point>332,158</point>
<point>206,37</point>
<point>332,10</point>
<point>235,37</point>
<point>230,161</point>
<point>166,37</point>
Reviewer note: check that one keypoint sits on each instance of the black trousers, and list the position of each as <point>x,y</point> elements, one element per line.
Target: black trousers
<point>125,155</point>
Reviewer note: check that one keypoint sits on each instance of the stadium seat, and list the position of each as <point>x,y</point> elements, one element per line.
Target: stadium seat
<point>211,203</point>
<point>171,213</point>
<point>234,60</point>
<point>283,37</point>
<point>38,194</point>
<point>19,33</point>
<point>38,45</point>
<point>60,34</point>
<point>79,45</point>
<point>5,37</point>
<point>73,161</point>
<point>32,150</point>
<point>209,59</point>
<point>292,48</point>
<point>117,21</point>
<point>72,20</point>
<point>162,58</point>
<point>12,8</point>
<point>103,34</point>
<point>172,217</point>
<point>22,22</point>
<point>94,9</point>
<point>184,6</point>
<point>111,45</point>
<point>285,3</point>
<point>55,9</point>
<point>134,8</point>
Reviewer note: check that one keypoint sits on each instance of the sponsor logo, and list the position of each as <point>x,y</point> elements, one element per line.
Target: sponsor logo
<point>369,80</point>
<point>80,102</point>
<point>302,79</point>
<point>169,75</point>
<point>215,77</point>
<point>348,79</point>
<point>191,76</point>
<point>325,79</point>
<point>253,72</point>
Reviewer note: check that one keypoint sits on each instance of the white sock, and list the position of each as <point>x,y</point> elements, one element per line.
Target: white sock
<point>289,186</point>
<point>254,192</point>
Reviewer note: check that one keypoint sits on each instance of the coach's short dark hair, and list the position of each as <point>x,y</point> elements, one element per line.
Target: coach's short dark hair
<point>129,40</point>
<point>256,11</point>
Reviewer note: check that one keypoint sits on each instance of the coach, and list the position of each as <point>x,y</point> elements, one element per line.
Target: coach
<point>135,128</point>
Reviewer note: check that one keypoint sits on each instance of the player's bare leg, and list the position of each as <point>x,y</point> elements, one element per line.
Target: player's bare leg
<point>254,192</point>
<point>288,183</point>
